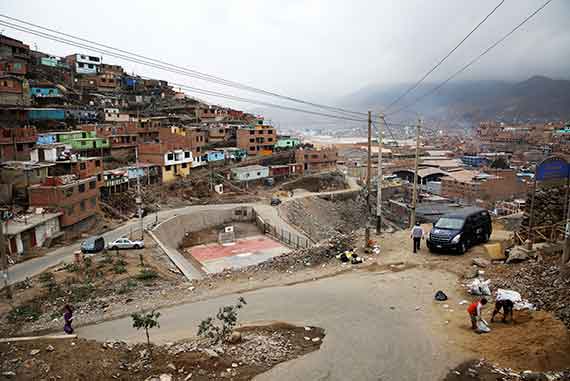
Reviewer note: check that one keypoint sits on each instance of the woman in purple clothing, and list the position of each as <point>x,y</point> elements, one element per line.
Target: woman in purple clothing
<point>68,319</point>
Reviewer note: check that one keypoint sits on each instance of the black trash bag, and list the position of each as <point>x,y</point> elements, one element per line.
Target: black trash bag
<point>440,296</point>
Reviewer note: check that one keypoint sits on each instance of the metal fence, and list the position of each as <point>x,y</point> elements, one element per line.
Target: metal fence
<point>285,236</point>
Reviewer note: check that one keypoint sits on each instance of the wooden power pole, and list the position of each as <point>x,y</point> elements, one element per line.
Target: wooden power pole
<point>380,175</point>
<point>415,190</point>
<point>4,257</point>
<point>368,177</point>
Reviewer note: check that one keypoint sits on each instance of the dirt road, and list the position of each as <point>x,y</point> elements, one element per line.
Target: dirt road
<point>379,325</point>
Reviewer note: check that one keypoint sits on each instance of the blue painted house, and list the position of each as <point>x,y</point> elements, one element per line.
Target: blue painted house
<point>46,139</point>
<point>211,156</point>
<point>45,92</point>
<point>46,114</point>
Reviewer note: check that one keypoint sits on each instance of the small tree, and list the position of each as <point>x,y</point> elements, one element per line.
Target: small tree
<point>227,317</point>
<point>147,321</point>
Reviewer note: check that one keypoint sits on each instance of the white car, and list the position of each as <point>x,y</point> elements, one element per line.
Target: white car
<point>125,243</point>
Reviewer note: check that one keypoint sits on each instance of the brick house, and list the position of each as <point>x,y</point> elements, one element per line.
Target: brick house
<point>257,140</point>
<point>317,160</point>
<point>17,143</point>
<point>489,186</point>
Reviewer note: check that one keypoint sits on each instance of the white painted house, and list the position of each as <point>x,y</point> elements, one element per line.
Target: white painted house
<point>250,173</point>
<point>33,230</point>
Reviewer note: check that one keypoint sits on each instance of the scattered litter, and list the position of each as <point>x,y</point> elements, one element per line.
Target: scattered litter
<point>463,302</point>
<point>440,296</point>
<point>483,326</point>
<point>479,287</point>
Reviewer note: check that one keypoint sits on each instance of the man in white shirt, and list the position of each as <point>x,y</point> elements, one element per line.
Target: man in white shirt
<point>417,234</point>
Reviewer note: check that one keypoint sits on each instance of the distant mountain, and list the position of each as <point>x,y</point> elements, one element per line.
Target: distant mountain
<point>536,99</point>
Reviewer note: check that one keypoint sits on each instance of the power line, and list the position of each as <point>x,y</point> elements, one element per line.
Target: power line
<point>473,61</point>
<point>195,89</point>
<point>413,87</point>
<point>194,73</point>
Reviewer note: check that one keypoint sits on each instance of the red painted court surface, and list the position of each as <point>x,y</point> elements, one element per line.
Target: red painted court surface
<point>250,245</point>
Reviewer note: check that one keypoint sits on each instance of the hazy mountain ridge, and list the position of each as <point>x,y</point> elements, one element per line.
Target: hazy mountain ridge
<point>536,99</point>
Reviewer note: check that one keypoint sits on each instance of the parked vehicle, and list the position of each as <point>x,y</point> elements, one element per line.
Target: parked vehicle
<point>275,201</point>
<point>93,245</point>
<point>458,231</point>
<point>125,243</point>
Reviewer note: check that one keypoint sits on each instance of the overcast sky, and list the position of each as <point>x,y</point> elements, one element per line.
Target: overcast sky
<point>316,49</point>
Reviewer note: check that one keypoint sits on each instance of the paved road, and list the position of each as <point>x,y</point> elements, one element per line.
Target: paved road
<point>35,266</point>
<point>373,330</point>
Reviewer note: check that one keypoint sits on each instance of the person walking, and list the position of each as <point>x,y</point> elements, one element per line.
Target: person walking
<point>417,234</point>
<point>68,319</point>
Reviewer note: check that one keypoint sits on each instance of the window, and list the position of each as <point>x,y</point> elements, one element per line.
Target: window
<point>19,147</point>
<point>258,173</point>
<point>184,165</point>
<point>90,66</point>
<point>81,188</point>
<point>252,132</point>
<point>187,154</point>
<point>168,168</point>
<point>82,166</point>
<point>103,80</point>
<point>221,130</point>
<point>99,177</point>
<point>81,65</point>
<point>269,139</point>
<point>97,163</point>
<point>82,205</point>
<point>93,201</point>
<point>252,140</point>
<point>92,184</point>
<point>197,149</point>
<point>170,156</point>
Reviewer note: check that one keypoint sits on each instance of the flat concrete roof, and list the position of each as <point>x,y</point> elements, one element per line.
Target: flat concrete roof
<point>25,223</point>
<point>249,168</point>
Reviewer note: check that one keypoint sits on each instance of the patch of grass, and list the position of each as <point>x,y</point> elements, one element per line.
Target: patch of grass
<point>82,292</point>
<point>107,259</point>
<point>120,262</point>
<point>71,267</point>
<point>147,274</point>
<point>27,312</point>
<point>119,269</point>
<point>127,287</point>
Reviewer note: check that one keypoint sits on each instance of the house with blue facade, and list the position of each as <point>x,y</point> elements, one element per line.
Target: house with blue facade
<point>474,161</point>
<point>45,92</point>
<point>212,156</point>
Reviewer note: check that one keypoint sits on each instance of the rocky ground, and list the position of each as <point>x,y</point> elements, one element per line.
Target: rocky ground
<point>259,349</point>
<point>323,182</point>
<point>481,370</point>
<point>319,218</point>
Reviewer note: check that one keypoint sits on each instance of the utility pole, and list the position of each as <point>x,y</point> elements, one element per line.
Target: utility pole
<point>139,196</point>
<point>380,176</point>
<point>4,255</point>
<point>415,190</point>
<point>368,177</point>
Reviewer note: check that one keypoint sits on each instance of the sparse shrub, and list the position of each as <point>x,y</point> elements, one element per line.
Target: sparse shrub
<point>147,274</point>
<point>82,292</point>
<point>127,287</point>
<point>107,259</point>
<point>25,284</point>
<point>226,319</point>
<point>48,281</point>
<point>120,262</point>
<point>27,312</point>
<point>119,269</point>
<point>71,267</point>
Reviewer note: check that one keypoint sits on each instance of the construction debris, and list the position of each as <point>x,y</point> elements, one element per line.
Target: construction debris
<point>482,370</point>
<point>542,282</point>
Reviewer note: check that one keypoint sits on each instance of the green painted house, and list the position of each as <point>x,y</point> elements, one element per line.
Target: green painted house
<point>287,143</point>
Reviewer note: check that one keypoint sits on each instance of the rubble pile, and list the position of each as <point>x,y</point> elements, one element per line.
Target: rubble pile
<point>261,349</point>
<point>483,370</point>
<point>540,281</point>
<point>319,218</point>
<point>322,182</point>
<point>549,207</point>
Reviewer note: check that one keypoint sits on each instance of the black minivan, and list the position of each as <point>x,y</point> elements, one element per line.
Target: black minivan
<point>458,231</point>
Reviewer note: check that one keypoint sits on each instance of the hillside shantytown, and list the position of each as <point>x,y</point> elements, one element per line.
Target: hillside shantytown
<point>150,232</point>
